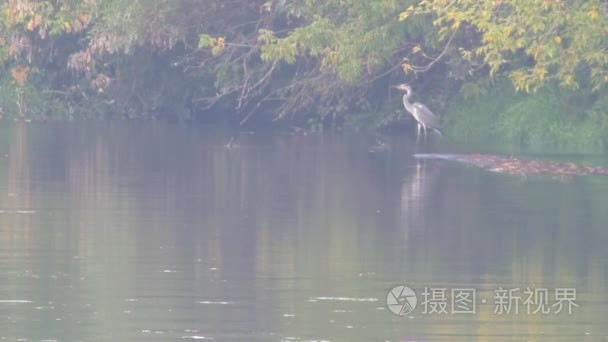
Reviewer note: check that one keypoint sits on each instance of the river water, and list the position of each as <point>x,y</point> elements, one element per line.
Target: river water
<point>153,232</point>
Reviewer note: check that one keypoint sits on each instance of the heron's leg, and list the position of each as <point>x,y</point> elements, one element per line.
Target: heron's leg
<point>418,126</point>
<point>424,130</point>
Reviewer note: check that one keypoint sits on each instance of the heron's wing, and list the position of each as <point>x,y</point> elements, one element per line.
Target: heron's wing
<point>427,116</point>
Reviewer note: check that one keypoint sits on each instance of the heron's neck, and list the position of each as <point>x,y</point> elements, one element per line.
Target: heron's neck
<point>406,102</point>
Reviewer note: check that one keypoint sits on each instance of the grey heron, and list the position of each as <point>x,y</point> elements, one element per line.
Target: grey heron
<point>423,115</point>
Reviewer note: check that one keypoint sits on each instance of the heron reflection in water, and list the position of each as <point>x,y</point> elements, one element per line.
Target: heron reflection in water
<point>425,118</point>
<point>418,191</point>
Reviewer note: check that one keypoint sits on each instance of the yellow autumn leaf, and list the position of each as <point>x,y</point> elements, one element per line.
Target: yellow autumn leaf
<point>406,67</point>
<point>67,27</point>
<point>593,14</point>
<point>404,15</point>
<point>489,37</point>
<point>218,46</point>
<point>30,25</point>
<point>557,39</point>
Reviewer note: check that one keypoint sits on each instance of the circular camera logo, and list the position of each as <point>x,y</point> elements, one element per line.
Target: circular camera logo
<point>401,300</point>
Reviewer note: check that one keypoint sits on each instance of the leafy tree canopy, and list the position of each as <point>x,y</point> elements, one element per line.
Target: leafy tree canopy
<point>304,59</point>
<point>534,41</point>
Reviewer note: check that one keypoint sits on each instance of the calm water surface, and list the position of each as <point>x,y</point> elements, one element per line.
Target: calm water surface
<point>161,233</point>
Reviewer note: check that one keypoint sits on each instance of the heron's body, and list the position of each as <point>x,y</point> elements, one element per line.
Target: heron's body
<point>423,115</point>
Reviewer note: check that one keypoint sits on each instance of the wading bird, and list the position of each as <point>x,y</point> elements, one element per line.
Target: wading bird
<point>423,115</point>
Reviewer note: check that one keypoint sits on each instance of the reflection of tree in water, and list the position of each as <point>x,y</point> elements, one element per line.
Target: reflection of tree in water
<point>416,191</point>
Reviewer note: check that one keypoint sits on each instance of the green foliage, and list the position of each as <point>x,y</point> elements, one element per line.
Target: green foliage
<point>348,38</point>
<point>325,63</point>
<point>474,114</point>
<point>598,112</point>
<point>535,41</point>
<point>30,102</point>
<point>205,40</point>
<point>543,119</point>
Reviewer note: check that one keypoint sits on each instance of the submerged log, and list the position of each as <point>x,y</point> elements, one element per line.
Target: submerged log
<point>519,166</point>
